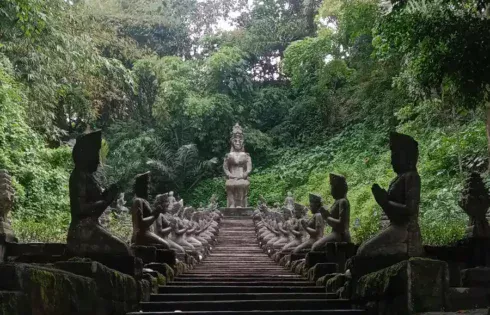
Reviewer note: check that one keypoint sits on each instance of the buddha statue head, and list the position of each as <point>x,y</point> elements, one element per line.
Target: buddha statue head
<point>141,185</point>
<point>299,210</point>
<point>338,186</point>
<point>86,151</point>
<point>237,139</point>
<point>315,203</point>
<point>404,153</point>
<point>161,204</point>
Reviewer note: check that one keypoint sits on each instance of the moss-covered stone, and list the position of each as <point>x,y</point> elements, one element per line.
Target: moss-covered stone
<point>164,269</point>
<point>50,291</point>
<point>415,285</point>
<point>111,284</point>
<point>319,270</point>
<point>335,283</point>
<point>322,281</point>
<point>153,281</point>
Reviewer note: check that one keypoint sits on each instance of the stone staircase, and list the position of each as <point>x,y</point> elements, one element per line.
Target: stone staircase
<point>238,278</point>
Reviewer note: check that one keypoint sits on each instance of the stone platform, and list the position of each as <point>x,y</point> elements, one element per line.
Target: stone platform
<point>237,212</point>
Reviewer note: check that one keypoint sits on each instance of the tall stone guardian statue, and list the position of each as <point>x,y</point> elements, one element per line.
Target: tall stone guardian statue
<point>237,166</point>
<point>400,204</point>
<point>88,201</point>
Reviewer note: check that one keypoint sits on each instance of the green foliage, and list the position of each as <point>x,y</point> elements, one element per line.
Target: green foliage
<point>40,174</point>
<point>317,85</point>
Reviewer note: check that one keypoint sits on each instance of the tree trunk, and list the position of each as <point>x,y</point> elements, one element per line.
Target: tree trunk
<point>488,133</point>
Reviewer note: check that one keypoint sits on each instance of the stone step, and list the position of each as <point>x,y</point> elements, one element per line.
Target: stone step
<point>294,312</point>
<point>239,289</point>
<point>194,276</point>
<point>240,296</point>
<point>238,279</point>
<point>259,283</point>
<point>243,273</point>
<point>247,305</point>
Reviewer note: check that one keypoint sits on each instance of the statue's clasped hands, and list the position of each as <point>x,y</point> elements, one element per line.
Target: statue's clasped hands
<point>380,194</point>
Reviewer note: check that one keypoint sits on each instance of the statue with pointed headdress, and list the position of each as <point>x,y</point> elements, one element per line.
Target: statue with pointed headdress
<point>475,201</point>
<point>314,227</point>
<point>237,166</point>
<point>339,216</point>
<point>143,215</point>
<point>88,200</point>
<point>400,204</point>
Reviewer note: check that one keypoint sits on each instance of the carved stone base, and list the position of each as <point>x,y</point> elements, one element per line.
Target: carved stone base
<point>237,212</point>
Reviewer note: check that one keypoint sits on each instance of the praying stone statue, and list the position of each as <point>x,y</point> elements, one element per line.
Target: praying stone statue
<point>6,203</point>
<point>120,204</point>
<point>143,215</point>
<point>400,203</point>
<point>475,201</point>
<point>163,227</point>
<point>88,201</point>
<point>237,166</point>
<point>339,217</point>
<point>171,198</point>
<point>213,203</point>
<point>314,227</point>
<point>296,229</point>
<point>289,201</point>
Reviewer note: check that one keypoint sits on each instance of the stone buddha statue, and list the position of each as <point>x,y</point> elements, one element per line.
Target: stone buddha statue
<point>179,229</point>
<point>143,215</point>
<point>475,201</point>
<point>296,229</point>
<point>88,201</point>
<point>339,216</point>
<point>400,204</point>
<point>289,201</point>
<point>162,226</point>
<point>314,227</point>
<point>237,166</point>
<point>6,203</point>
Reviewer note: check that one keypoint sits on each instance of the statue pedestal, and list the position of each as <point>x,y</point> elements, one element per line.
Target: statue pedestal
<point>237,212</point>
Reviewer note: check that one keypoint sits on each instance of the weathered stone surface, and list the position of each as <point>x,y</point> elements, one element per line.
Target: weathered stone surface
<point>313,258</point>
<point>415,285</point>
<point>362,265</point>
<point>13,303</point>
<point>476,277</point>
<point>130,265</point>
<point>147,254</point>
<point>335,283</point>
<point>153,281</point>
<point>237,165</point>
<point>111,284</point>
<point>320,270</point>
<point>50,291</point>
<point>19,249</point>
<point>322,281</point>
<point>164,269</point>
<point>144,290</point>
<point>468,298</point>
<point>165,256</point>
